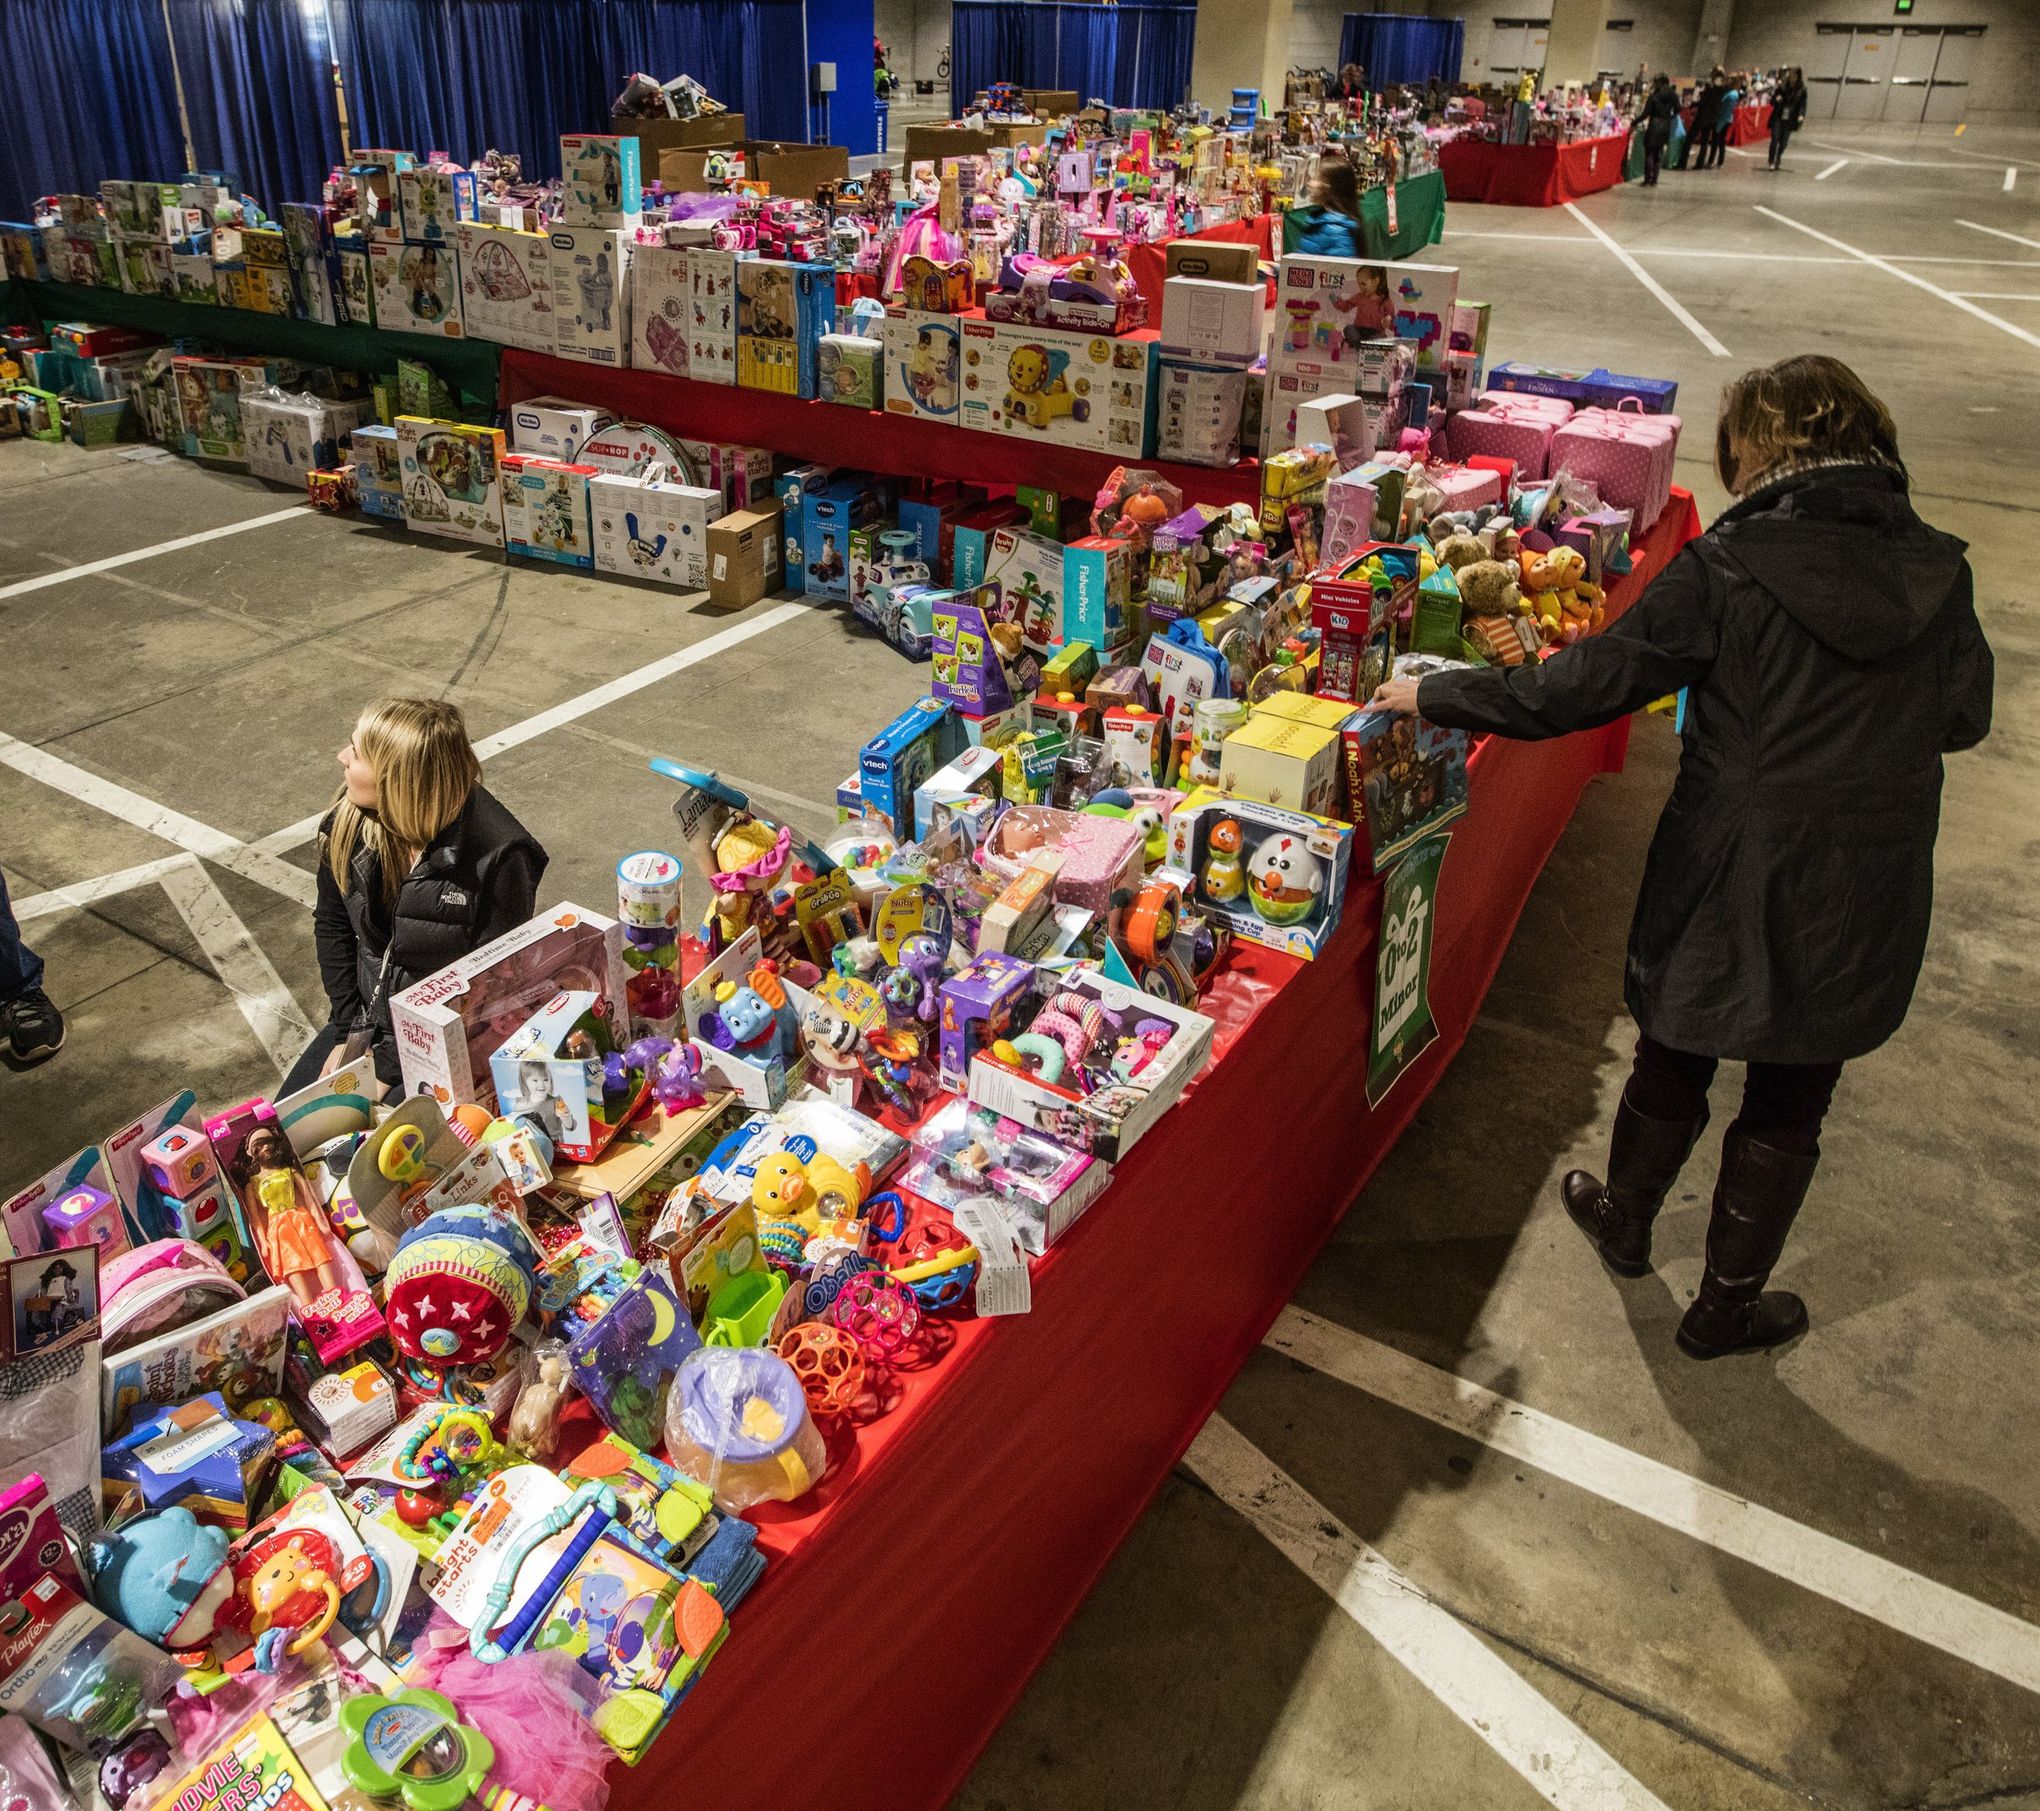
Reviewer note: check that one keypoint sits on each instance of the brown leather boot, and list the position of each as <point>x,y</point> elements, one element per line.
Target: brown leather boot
<point>1645,1156</point>
<point>1755,1203</point>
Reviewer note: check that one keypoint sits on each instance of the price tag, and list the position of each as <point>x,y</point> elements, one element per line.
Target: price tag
<point>1003,1285</point>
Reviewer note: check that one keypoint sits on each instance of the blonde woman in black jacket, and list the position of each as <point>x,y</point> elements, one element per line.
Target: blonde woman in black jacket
<point>1829,643</point>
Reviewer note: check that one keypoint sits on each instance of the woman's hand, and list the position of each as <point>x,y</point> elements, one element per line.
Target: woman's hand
<point>1397,695</point>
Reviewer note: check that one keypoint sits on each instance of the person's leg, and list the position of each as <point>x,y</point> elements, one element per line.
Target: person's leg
<point>34,1027</point>
<point>1659,1119</point>
<point>1653,155</point>
<point>1768,1159</point>
<point>305,1070</point>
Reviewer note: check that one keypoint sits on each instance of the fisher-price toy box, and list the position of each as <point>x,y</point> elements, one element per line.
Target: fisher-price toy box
<point>923,364</point>
<point>648,529</point>
<point>433,201</point>
<point>783,309</point>
<point>417,288</point>
<point>1028,570</point>
<point>591,308</point>
<point>1064,389</point>
<point>506,285</point>
<point>450,1024</point>
<point>314,269</point>
<point>453,479</point>
<point>1278,878</point>
<point>600,180</point>
<point>545,510</point>
<point>1111,1119</point>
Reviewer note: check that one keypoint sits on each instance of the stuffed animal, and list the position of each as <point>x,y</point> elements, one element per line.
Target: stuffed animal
<point>1461,548</point>
<point>1542,583</point>
<point>1489,588</point>
<point>165,1575</point>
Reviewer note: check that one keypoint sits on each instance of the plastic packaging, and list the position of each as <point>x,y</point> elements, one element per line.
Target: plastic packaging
<point>738,1421</point>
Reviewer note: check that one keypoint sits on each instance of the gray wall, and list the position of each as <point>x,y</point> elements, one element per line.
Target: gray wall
<point>914,32</point>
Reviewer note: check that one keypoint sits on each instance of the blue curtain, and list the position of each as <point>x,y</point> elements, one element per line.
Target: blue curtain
<point>1402,47</point>
<point>85,93</point>
<point>258,86</point>
<point>1128,56</point>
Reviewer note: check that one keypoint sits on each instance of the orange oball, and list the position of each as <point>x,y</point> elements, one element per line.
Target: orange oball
<point>828,1363</point>
<point>469,1122</point>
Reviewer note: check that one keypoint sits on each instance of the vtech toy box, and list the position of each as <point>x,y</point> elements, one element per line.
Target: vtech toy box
<point>783,309</point>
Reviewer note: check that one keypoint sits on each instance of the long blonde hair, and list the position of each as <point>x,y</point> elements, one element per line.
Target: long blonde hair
<point>425,768</point>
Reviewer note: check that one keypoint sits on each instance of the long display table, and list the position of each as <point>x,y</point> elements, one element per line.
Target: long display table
<point>911,1595</point>
<point>1531,176</point>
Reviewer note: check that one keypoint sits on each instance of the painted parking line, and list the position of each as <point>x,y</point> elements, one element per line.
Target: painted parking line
<point>84,893</point>
<point>1678,309</point>
<point>1901,1599</point>
<point>298,512</point>
<point>248,974</point>
<point>1840,163</point>
<point>1998,232</point>
<point>1904,276</point>
<point>1564,1765</point>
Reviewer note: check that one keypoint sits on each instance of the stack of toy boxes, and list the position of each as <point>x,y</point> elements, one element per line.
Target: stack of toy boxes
<point>1213,330</point>
<point>378,471</point>
<point>314,272</point>
<point>783,309</point>
<point>432,201</point>
<point>264,284</point>
<point>1060,387</point>
<point>601,204</point>
<point>197,1204</point>
<point>209,393</point>
<point>506,286</point>
<point>453,479</point>
<point>1331,317</point>
<point>831,511</point>
<point>545,510</point>
<point>651,528</point>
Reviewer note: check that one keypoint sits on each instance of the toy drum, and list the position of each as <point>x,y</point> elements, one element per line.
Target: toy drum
<point>739,1421</point>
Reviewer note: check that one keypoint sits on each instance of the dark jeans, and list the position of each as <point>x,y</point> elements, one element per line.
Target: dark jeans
<point>305,1070</point>
<point>1783,1104</point>
<point>1781,136</point>
<point>1653,158</point>
<point>1713,147</point>
<point>21,969</point>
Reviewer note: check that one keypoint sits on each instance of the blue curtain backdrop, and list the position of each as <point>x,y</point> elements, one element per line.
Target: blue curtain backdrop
<point>84,94</point>
<point>1401,47</point>
<point>258,86</point>
<point>1129,55</point>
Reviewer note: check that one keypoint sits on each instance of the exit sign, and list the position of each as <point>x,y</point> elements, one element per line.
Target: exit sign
<point>1902,7</point>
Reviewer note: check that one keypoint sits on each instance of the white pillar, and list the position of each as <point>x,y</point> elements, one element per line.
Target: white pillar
<point>1573,52</point>
<point>1710,37</point>
<point>1241,44</point>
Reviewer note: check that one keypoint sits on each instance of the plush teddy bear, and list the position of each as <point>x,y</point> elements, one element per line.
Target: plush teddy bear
<point>1461,548</point>
<point>1489,588</point>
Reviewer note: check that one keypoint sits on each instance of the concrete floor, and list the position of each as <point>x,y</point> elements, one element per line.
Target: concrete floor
<point>1371,1586</point>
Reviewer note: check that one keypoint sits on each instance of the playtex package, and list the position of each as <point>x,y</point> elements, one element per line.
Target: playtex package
<point>553,1069</point>
<point>647,528</point>
<point>599,180</point>
<point>591,312</point>
<point>545,510</point>
<point>923,364</point>
<point>506,285</point>
<point>1408,776</point>
<point>75,1673</point>
<point>1277,877</point>
<point>1069,389</point>
<point>453,479</point>
<point>450,1025</point>
<point>378,471</point>
<point>288,436</point>
<point>417,288</point>
<point>783,309</point>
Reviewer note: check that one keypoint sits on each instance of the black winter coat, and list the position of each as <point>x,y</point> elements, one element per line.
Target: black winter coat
<point>477,879</point>
<point>1830,643</point>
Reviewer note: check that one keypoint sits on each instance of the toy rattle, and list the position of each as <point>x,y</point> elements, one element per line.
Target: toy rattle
<point>881,1315</point>
<point>484,1646</point>
<point>448,1442</point>
<point>828,1363</point>
<point>411,1749</point>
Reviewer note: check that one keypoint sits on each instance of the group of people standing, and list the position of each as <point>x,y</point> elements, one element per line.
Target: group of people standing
<point>1713,113</point>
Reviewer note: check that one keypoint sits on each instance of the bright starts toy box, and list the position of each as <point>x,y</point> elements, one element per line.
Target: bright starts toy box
<point>417,288</point>
<point>783,309</point>
<point>923,364</point>
<point>545,510</point>
<point>506,285</point>
<point>648,529</point>
<point>1278,878</point>
<point>591,316</point>
<point>450,1024</point>
<point>850,368</point>
<point>661,294</point>
<point>1067,389</point>
<point>453,479</point>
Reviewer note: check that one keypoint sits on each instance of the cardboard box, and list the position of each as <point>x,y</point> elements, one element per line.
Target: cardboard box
<point>1028,569</point>
<point>591,310</point>
<point>712,315</point>
<point>1287,888</point>
<point>652,530</point>
<point>550,427</point>
<point>932,143</point>
<point>744,558</point>
<point>783,309</point>
<point>417,288</point>
<point>288,437</point>
<point>432,202</point>
<point>506,286</point>
<point>923,364</point>
<point>656,135</point>
<point>1280,761</point>
<point>829,515</point>
<point>1051,103</point>
<point>895,763</point>
<point>1321,302</point>
<point>545,510</point>
<point>1198,410</point>
<point>378,471</point>
<point>453,479</point>
<point>600,180</point>
<point>1212,259</point>
<point>850,368</point>
<point>660,298</point>
<point>1067,389</point>
<point>1217,322</point>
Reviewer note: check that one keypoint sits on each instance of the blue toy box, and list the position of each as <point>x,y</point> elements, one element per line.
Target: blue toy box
<point>783,309</point>
<point>893,764</point>
<point>829,514</point>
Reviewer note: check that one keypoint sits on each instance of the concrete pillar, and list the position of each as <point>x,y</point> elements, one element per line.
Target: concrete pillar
<point>1241,44</point>
<point>1573,53</point>
<point>1710,37</point>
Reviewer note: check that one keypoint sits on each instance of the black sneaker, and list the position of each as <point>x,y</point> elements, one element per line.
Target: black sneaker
<point>35,1028</point>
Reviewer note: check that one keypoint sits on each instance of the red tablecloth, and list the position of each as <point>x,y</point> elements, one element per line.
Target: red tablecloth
<point>1751,125</point>
<point>866,439</point>
<point>908,1602</point>
<point>1530,176</point>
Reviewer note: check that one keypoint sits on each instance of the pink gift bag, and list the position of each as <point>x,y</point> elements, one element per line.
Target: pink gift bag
<point>1523,438</point>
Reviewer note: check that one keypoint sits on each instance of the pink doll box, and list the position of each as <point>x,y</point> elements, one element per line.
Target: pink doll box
<point>1098,854</point>
<point>451,1023</point>
<point>1465,487</point>
<point>1525,439</point>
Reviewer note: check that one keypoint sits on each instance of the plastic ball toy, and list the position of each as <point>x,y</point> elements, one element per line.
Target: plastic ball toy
<point>829,1365</point>
<point>826,1284</point>
<point>880,1315</point>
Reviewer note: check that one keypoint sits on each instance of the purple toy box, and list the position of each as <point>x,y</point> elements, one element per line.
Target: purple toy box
<point>978,1006</point>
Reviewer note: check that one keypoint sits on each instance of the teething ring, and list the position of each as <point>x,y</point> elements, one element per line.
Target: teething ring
<point>1048,1060</point>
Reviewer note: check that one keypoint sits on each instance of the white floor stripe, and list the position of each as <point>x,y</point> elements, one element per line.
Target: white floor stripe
<point>1905,276</point>
<point>1564,1765</point>
<point>2011,176</point>
<point>1636,270</point>
<point>1828,144</point>
<point>1840,163</point>
<point>1998,232</point>
<point>171,826</point>
<point>90,892</point>
<point>1725,256</point>
<point>1917,1606</point>
<point>1994,295</point>
<point>238,960</point>
<point>298,512</point>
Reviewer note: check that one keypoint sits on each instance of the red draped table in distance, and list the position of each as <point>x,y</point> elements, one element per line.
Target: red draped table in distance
<point>913,1592</point>
<point>1530,176</point>
<point>1751,125</point>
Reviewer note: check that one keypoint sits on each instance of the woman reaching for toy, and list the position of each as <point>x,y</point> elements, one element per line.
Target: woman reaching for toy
<point>1828,641</point>
<point>418,866</point>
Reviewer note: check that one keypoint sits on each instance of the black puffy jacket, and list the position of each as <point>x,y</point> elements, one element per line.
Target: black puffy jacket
<point>477,879</point>
<point>1830,641</point>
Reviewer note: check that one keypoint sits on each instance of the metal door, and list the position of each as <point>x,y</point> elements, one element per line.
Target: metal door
<point>1824,69</point>
<point>1535,42</point>
<point>1948,95</point>
<point>1505,50</point>
<point>1867,74</point>
<point>1912,70</point>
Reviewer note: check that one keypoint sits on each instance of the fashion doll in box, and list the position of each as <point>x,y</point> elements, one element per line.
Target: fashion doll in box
<point>285,1216</point>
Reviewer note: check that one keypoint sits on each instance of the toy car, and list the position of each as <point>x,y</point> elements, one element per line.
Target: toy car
<point>897,598</point>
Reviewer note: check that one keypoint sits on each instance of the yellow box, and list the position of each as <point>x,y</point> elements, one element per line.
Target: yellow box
<point>1307,707</point>
<point>1281,762</point>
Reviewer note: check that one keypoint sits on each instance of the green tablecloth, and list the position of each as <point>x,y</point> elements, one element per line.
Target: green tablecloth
<point>468,366</point>
<point>1420,217</point>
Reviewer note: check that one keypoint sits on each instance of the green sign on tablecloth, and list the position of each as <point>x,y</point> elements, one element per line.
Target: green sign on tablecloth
<point>1420,217</point>
<point>468,366</point>
<point>1403,1026</point>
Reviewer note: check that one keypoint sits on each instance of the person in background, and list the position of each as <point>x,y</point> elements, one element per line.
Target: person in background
<point>1329,227</point>
<point>418,866</point>
<point>1788,113</point>
<point>1699,132</point>
<point>1828,643</point>
<point>1352,82</point>
<point>1724,117</point>
<point>1659,112</point>
<point>35,1028</point>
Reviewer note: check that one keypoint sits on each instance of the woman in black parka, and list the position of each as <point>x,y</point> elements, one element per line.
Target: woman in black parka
<point>1829,641</point>
<point>419,865</point>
